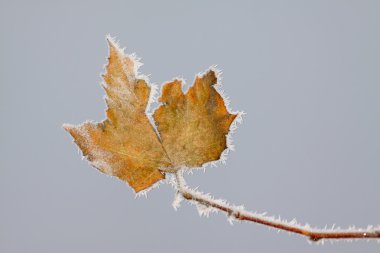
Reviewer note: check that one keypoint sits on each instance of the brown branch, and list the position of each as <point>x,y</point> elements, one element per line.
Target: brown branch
<point>312,234</point>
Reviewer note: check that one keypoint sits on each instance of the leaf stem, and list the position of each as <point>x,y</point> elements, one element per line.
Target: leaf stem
<point>239,213</point>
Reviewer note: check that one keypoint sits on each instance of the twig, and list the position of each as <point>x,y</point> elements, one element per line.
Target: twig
<point>239,213</point>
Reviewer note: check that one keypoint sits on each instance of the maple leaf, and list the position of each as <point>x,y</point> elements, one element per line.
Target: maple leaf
<point>191,127</point>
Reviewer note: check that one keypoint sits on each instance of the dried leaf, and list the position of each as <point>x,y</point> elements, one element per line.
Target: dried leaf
<point>192,127</point>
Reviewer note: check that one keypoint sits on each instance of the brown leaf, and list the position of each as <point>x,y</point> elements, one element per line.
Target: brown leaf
<point>192,126</point>
<point>125,144</point>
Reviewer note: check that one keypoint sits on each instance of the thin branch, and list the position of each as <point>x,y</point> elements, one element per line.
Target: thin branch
<point>239,213</point>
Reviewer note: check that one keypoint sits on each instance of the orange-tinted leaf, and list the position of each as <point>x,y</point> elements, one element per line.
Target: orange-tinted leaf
<point>125,144</point>
<point>193,126</point>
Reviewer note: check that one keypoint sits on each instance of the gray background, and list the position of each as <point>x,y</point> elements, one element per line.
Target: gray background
<point>306,72</point>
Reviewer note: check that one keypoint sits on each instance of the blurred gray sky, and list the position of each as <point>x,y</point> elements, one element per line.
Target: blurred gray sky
<point>305,72</point>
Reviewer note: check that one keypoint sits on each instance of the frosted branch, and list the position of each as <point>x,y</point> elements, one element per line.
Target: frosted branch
<point>206,204</point>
